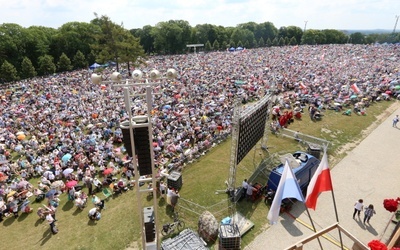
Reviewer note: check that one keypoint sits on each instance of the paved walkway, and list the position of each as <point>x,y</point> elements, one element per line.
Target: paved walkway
<point>369,171</point>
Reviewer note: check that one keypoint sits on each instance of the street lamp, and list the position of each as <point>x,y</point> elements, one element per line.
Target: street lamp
<point>138,138</point>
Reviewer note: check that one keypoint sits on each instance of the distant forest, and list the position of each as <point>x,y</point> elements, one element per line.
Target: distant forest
<point>39,51</point>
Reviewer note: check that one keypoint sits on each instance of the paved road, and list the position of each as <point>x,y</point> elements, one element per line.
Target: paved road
<point>369,171</point>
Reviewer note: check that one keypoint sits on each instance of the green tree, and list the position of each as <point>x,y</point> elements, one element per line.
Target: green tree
<point>275,42</point>
<point>115,43</point>
<point>39,42</point>
<point>292,41</point>
<point>224,45</point>
<point>261,42</point>
<point>74,36</point>
<point>79,60</point>
<point>254,43</point>
<point>8,72</point>
<point>46,65</point>
<point>12,43</point>
<point>294,31</point>
<point>64,63</point>
<point>27,69</point>
<point>207,46</point>
<point>268,30</point>
<point>334,36</point>
<point>146,38</point>
<point>131,50</point>
<point>357,38</point>
<point>313,37</point>
<point>216,45</point>
<point>268,42</point>
<point>281,41</point>
<point>172,36</point>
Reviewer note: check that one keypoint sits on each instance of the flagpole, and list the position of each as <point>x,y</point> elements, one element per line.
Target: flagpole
<point>337,219</point>
<point>334,205</point>
<point>312,224</point>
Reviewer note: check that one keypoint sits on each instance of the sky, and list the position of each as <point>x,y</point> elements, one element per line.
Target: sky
<point>309,14</point>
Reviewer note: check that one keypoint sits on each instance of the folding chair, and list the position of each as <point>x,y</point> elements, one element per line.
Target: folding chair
<point>107,193</point>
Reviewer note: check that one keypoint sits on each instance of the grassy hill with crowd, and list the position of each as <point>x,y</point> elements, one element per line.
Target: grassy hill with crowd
<point>203,181</point>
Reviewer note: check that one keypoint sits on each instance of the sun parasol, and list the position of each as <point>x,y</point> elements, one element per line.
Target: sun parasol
<point>66,157</point>
<point>50,193</point>
<point>108,171</point>
<point>71,184</point>
<point>22,184</point>
<point>11,193</point>
<point>67,171</point>
<point>3,177</point>
<point>57,184</point>
<point>21,137</point>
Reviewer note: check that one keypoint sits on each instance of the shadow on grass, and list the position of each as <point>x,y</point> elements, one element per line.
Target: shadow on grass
<point>9,221</point>
<point>22,216</point>
<point>38,222</point>
<point>92,223</point>
<point>68,205</point>
<point>46,236</point>
<point>161,202</point>
<point>77,211</point>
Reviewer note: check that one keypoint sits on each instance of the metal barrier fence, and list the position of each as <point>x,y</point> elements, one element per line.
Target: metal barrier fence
<point>303,138</point>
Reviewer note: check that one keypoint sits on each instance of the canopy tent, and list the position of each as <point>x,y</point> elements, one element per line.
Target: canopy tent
<point>94,66</point>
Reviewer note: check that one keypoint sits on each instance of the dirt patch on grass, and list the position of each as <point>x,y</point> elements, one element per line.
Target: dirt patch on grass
<point>341,152</point>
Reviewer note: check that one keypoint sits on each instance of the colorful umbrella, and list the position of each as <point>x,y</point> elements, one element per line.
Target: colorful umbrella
<point>50,193</point>
<point>67,171</point>
<point>11,193</point>
<point>21,137</point>
<point>108,171</point>
<point>3,177</point>
<point>66,157</point>
<point>71,184</point>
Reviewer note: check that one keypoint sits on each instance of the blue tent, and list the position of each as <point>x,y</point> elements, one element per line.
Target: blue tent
<point>239,48</point>
<point>231,49</point>
<point>94,66</point>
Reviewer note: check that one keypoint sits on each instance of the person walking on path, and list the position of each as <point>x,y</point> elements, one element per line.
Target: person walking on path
<point>358,207</point>
<point>368,213</point>
<point>395,121</point>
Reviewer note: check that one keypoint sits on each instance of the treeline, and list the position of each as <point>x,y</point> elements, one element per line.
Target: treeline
<point>38,50</point>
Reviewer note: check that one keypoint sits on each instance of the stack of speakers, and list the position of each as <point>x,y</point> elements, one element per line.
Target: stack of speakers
<point>174,180</point>
<point>149,228</point>
<point>142,143</point>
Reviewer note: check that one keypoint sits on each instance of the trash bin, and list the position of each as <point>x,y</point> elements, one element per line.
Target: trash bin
<point>314,150</point>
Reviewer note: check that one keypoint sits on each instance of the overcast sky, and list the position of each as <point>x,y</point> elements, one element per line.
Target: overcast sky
<point>316,14</point>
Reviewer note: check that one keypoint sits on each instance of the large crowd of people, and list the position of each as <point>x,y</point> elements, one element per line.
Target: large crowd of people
<point>64,129</point>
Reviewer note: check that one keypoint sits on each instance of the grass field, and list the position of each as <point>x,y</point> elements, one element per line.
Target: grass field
<point>119,226</point>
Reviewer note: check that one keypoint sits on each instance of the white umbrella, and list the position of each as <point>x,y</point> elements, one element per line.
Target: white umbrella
<point>67,171</point>
<point>57,184</point>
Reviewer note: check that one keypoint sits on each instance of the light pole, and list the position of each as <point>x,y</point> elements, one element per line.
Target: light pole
<point>305,26</point>
<point>137,125</point>
<point>395,24</point>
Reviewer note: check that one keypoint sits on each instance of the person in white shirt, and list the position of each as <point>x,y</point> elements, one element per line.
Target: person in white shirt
<point>358,207</point>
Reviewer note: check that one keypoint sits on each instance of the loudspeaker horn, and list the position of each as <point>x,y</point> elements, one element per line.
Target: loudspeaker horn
<point>116,77</point>
<point>137,74</point>
<point>96,79</point>
<point>155,74</point>
<point>172,73</point>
